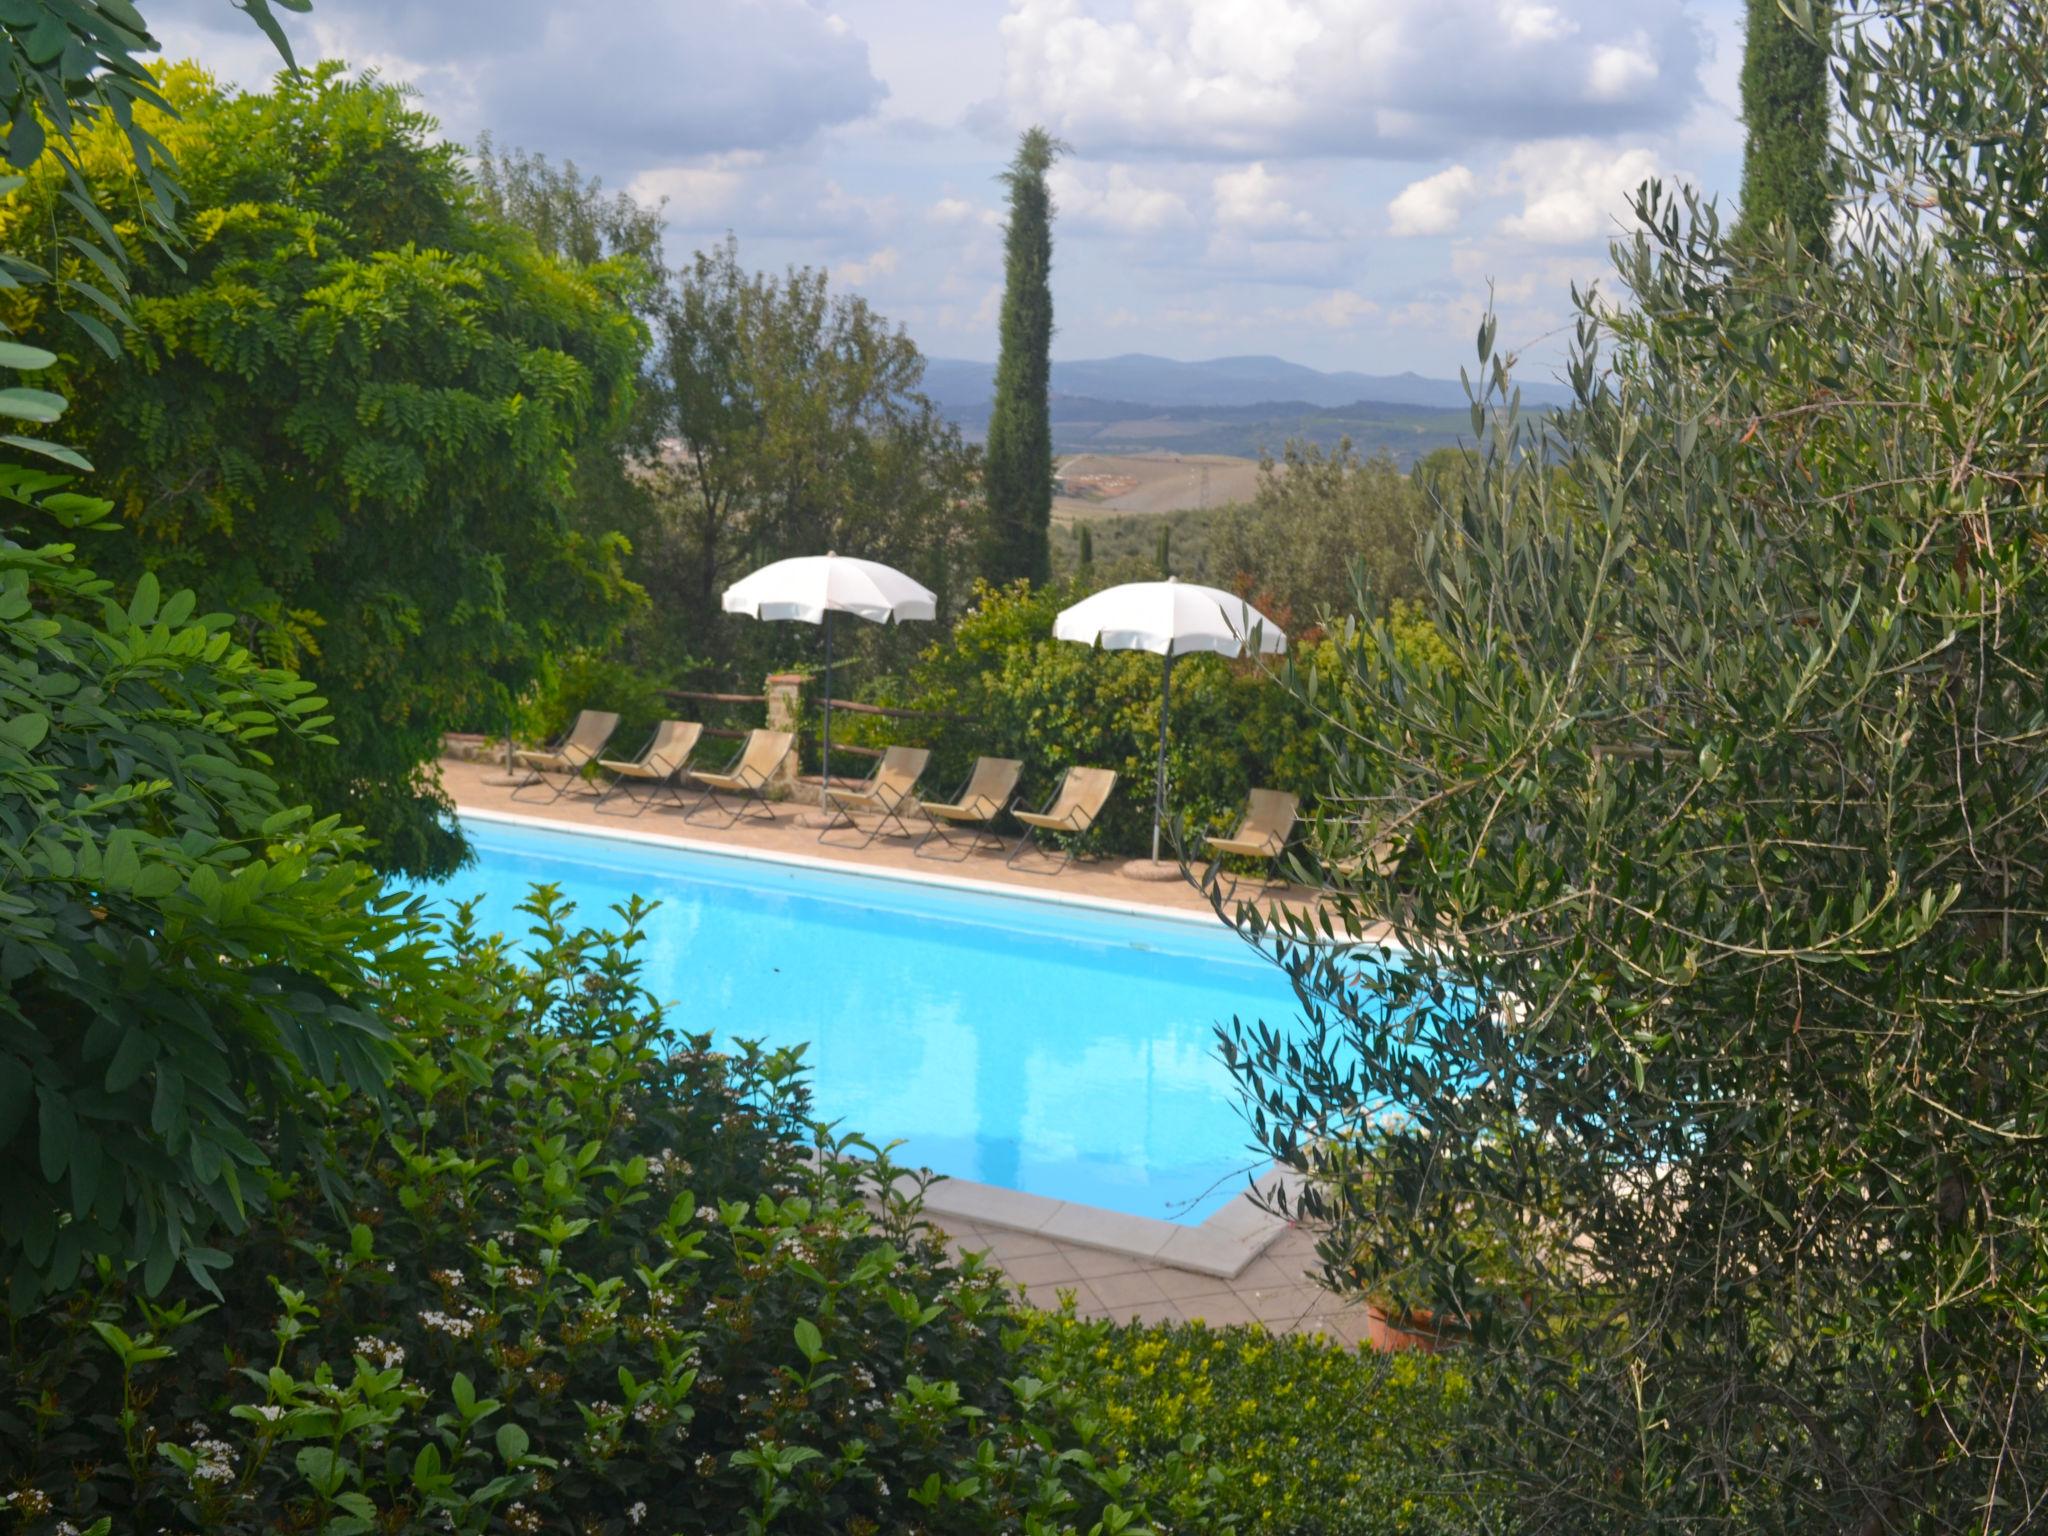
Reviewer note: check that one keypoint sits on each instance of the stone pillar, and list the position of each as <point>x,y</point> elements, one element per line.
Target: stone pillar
<point>786,713</point>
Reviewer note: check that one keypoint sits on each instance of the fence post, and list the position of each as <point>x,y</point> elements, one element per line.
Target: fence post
<point>786,713</point>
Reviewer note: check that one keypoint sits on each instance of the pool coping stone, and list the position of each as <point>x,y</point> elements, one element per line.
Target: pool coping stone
<point>1223,1246</point>
<point>839,866</point>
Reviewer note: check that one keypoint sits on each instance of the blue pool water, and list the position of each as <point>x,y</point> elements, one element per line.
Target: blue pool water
<point>1061,1050</point>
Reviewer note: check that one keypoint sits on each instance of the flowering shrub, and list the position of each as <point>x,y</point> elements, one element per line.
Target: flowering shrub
<point>1297,1435</point>
<point>578,1273</point>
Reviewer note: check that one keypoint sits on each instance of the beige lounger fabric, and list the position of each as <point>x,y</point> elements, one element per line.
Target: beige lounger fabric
<point>674,741</point>
<point>593,728</point>
<point>895,780</point>
<point>1268,822</point>
<point>989,788</point>
<point>1083,793</point>
<point>763,754</point>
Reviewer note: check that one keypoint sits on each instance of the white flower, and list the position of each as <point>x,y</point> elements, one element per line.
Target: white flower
<point>380,1353</point>
<point>638,1512</point>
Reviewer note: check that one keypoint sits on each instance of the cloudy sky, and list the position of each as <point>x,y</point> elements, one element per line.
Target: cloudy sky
<point>1333,181</point>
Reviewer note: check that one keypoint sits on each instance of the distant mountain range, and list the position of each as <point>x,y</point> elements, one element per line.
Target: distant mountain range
<point>964,388</point>
<point>1230,405</point>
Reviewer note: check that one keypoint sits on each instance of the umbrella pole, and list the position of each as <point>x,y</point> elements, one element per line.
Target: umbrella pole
<point>1159,789</point>
<point>825,783</point>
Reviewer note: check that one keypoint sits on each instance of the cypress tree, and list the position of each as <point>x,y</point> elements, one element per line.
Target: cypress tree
<point>1019,453</point>
<point>1785,108</point>
<point>1087,546</point>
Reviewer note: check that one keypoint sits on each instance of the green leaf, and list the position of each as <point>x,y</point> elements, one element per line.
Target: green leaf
<point>68,456</point>
<point>31,404</point>
<point>15,354</point>
<point>513,1442</point>
<point>809,1340</point>
<point>25,732</point>
<point>132,1058</point>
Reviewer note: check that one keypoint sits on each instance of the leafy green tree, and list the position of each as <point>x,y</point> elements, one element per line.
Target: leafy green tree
<point>1018,476</point>
<point>1315,518</point>
<point>1785,90</point>
<point>569,215</point>
<point>183,954</point>
<point>351,414</point>
<point>1707,1094</point>
<point>796,426</point>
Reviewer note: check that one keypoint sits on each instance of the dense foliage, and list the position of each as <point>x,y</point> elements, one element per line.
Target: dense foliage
<point>1719,1043</point>
<point>1318,525</point>
<point>1302,1437</point>
<point>794,425</point>
<point>1000,684</point>
<point>1786,178</point>
<point>345,368</point>
<point>580,1273</point>
<point>183,954</point>
<point>1018,477</point>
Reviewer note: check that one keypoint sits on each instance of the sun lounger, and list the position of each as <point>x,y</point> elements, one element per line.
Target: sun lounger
<point>985,796</point>
<point>660,765</point>
<point>568,755</point>
<point>1073,810</point>
<point>748,776</point>
<point>1268,823</point>
<point>892,787</point>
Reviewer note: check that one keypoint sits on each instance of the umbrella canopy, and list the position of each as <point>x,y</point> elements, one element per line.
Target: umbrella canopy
<point>811,588</point>
<point>1170,618</point>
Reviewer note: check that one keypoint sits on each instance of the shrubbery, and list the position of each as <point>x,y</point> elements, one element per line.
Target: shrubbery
<point>1301,1436</point>
<point>577,1274</point>
<point>1012,690</point>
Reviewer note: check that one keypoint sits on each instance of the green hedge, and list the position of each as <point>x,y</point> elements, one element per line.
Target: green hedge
<point>577,1272</point>
<point>574,1273</point>
<point>1299,1436</point>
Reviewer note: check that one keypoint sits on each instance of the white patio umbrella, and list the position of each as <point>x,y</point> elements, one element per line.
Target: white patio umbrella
<point>811,588</point>
<point>1171,618</point>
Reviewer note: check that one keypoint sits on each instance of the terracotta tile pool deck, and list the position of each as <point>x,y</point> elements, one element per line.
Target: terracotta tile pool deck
<point>1275,1287</point>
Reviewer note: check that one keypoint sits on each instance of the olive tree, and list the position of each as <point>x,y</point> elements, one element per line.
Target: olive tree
<point>1695,1071</point>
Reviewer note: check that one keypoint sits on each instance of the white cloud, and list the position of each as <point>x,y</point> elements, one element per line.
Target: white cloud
<point>1341,310</point>
<point>1433,205</point>
<point>1255,200</point>
<point>1527,24</point>
<point>878,264</point>
<point>1115,199</point>
<point>696,193</point>
<point>1273,78</point>
<point>1619,72</point>
<point>958,212</point>
<point>1573,190</point>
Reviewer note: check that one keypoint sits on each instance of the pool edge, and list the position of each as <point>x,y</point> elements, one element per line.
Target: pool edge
<point>841,867</point>
<point>1222,1246</point>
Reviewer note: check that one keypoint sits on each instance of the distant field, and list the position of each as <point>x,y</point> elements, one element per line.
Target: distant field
<point>1108,484</point>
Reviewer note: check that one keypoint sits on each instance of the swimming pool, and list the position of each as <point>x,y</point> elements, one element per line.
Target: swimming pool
<point>1061,1050</point>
